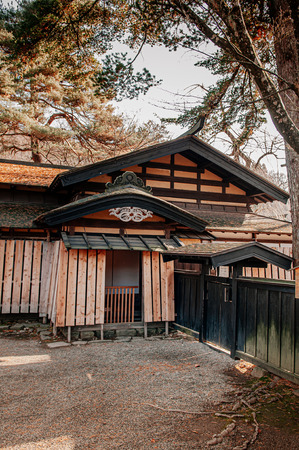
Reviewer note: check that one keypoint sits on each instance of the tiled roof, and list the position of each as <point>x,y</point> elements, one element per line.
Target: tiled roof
<point>20,216</point>
<point>222,254</point>
<point>238,221</point>
<point>205,248</point>
<point>28,174</point>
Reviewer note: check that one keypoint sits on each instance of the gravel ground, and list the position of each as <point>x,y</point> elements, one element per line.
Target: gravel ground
<point>101,395</point>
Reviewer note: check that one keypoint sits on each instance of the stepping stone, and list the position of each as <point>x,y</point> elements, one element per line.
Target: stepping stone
<point>79,342</point>
<point>58,344</point>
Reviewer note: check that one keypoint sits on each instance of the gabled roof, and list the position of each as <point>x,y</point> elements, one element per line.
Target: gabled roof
<point>125,196</point>
<point>189,146</point>
<point>223,254</point>
<point>28,173</point>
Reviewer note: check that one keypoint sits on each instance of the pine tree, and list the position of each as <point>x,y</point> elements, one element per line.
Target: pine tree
<point>54,94</point>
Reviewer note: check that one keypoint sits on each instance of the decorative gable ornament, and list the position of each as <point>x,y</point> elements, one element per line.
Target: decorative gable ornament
<point>128,213</point>
<point>127,179</point>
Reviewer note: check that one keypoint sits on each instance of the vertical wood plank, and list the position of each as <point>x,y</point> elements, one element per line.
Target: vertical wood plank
<point>100,294</point>
<point>274,328</point>
<point>17,278</point>
<point>275,270</point>
<point>268,271</point>
<point>114,304</point>
<point>107,305</point>
<point>126,306</point>
<point>170,291</point>
<point>122,305</point>
<point>53,281</point>
<point>36,267</point>
<point>81,290</point>
<point>46,274</point>
<point>7,288</point>
<point>163,288</point>
<point>26,282</point>
<point>60,297</point>
<point>91,287</point>
<point>133,304</point>
<point>2,254</point>
<point>118,303</point>
<point>71,288</point>
<point>147,287</point>
<point>287,331</point>
<point>255,272</point>
<point>156,287</point>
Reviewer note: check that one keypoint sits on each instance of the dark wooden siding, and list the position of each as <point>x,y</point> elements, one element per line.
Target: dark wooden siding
<point>266,319</point>
<point>268,324</point>
<point>187,301</point>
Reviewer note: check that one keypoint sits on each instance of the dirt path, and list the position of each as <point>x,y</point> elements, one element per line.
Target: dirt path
<point>117,395</point>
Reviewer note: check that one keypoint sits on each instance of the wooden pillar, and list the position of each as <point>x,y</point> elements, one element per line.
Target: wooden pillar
<point>237,272</point>
<point>204,271</point>
<point>69,334</point>
<point>102,332</point>
<point>145,330</point>
<point>166,328</point>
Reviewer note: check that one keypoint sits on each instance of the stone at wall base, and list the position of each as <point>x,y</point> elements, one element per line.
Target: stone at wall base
<point>258,372</point>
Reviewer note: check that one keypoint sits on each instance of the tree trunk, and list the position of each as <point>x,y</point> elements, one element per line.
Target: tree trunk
<point>292,161</point>
<point>35,150</point>
<point>287,60</point>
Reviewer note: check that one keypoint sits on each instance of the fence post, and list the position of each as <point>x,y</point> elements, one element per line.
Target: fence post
<point>204,270</point>
<point>237,271</point>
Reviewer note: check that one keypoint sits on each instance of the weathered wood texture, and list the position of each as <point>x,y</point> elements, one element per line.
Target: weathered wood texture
<point>80,290</point>
<point>267,319</point>
<point>268,324</point>
<point>25,274</point>
<point>187,304</point>
<point>157,288</point>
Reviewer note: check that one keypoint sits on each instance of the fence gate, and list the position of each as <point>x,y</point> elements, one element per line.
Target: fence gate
<point>218,326</point>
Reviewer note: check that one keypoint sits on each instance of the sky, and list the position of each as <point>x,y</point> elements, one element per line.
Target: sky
<point>177,74</point>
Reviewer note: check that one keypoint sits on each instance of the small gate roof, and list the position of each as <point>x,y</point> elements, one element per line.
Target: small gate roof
<point>228,253</point>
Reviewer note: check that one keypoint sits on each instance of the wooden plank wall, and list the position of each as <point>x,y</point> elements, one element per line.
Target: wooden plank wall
<point>25,272</point>
<point>268,325</point>
<point>157,288</point>
<point>80,287</point>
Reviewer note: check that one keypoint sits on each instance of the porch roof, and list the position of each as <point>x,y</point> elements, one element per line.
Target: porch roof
<point>122,197</point>
<point>89,241</point>
<point>218,254</point>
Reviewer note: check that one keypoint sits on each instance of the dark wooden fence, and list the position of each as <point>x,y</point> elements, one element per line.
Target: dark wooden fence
<point>187,305</point>
<point>268,325</point>
<point>261,325</point>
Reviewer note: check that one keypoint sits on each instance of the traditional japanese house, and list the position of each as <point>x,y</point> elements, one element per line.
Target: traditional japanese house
<point>82,246</point>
